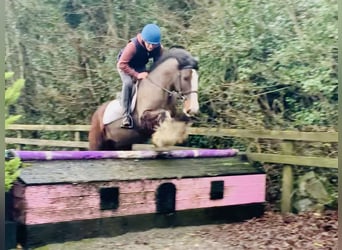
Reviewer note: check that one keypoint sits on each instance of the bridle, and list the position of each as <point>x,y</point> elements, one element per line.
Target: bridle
<point>180,95</point>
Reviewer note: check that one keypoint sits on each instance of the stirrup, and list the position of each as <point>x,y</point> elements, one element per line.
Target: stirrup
<point>127,122</point>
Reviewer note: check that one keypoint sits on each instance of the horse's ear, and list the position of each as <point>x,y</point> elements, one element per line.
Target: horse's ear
<point>195,62</point>
<point>195,66</point>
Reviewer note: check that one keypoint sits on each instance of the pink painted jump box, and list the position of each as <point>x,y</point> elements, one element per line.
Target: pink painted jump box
<point>59,191</point>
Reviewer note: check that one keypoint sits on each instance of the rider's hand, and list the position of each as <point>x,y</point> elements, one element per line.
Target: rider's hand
<point>142,75</point>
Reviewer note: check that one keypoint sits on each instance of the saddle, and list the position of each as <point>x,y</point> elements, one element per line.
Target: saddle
<point>114,110</point>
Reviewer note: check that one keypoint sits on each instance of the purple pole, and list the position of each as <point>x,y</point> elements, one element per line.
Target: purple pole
<point>135,154</point>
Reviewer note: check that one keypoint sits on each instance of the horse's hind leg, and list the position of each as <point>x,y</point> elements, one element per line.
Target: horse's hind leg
<point>112,145</point>
<point>95,135</point>
<point>108,145</point>
<point>127,147</point>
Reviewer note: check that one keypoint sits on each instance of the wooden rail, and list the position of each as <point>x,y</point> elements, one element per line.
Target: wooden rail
<point>268,134</point>
<point>48,143</point>
<point>242,133</point>
<point>286,139</point>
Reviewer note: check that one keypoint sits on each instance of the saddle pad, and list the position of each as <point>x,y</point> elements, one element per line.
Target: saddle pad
<point>114,110</point>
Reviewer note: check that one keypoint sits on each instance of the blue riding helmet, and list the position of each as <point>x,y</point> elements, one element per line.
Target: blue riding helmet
<point>151,34</point>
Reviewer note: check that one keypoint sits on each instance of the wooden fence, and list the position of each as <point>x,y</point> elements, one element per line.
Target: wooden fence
<point>285,139</point>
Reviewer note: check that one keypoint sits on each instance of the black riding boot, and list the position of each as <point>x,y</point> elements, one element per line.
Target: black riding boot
<point>127,121</point>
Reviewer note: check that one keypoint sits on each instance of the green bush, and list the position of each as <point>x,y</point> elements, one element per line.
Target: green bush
<point>12,94</point>
<point>11,172</point>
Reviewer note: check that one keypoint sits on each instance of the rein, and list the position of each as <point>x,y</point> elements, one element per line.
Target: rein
<point>180,94</point>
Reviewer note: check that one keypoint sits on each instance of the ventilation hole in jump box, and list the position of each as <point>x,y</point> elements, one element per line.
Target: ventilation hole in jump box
<point>216,190</point>
<point>109,198</point>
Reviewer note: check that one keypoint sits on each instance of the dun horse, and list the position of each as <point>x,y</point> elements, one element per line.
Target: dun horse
<point>174,77</point>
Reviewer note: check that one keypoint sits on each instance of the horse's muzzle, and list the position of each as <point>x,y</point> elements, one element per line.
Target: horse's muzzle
<point>189,118</point>
<point>190,112</point>
<point>191,106</point>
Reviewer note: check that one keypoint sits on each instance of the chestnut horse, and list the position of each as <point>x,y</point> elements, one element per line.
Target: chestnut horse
<point>173,77</point>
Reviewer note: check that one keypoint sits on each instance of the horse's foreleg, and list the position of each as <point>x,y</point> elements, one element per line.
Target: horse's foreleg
<point>153,118</point>
<point>169,133</point>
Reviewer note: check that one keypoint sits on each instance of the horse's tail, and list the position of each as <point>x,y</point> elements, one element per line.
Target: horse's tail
<point>96,132</point>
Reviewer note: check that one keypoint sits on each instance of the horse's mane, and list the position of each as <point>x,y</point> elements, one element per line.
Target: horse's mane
<point>184,58</point>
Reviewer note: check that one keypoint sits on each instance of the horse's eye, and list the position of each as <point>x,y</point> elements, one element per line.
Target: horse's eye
<point>186,78</point>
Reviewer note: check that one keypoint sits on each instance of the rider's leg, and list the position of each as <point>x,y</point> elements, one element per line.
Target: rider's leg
<point>127,85</point>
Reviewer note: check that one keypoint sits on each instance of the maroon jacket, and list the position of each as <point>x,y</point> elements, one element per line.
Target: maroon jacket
<point>133,58</point>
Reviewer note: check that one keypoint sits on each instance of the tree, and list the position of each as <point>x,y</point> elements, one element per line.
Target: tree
<point>263,64</point>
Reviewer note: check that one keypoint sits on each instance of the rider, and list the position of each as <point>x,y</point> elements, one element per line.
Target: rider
<point>132,62</point>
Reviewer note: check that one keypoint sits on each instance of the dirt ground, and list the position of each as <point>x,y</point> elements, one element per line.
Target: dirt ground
<point>271,231</point>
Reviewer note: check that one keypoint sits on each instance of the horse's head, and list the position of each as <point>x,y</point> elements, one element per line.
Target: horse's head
<point>183,73</point>
<point>188,89</point>
<point>188,80</point>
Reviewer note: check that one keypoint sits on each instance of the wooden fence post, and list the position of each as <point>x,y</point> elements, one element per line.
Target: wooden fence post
<point>287,179</point>
<point>77,137</point>
<point>18,147</point>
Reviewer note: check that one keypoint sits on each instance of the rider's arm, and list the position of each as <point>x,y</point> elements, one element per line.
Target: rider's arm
<point>126,56</point>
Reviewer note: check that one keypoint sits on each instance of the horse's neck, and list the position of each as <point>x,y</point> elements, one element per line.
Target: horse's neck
<point>152,92</point>
<point>162,77</point>
<point>165,72</point>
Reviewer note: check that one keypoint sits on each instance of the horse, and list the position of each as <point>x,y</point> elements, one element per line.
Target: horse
<point>172,78</point>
